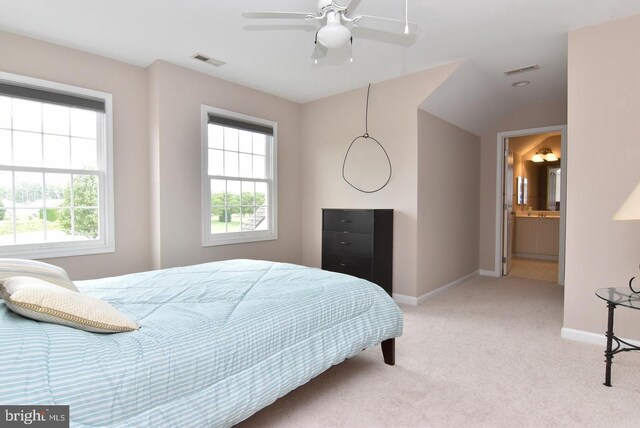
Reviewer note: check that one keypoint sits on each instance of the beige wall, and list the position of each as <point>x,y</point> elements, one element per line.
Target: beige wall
<point>177,94</point>
<point>604,134</point>
<point>535,116</point>
<point>128,85</point>
<point>448,202</point>
<point>329,125</point>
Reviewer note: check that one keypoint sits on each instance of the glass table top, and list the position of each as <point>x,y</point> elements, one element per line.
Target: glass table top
<point>620,296</point>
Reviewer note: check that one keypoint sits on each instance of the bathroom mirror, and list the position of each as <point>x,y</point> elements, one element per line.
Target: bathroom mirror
<point>521,183</point>
<point>544,185</point>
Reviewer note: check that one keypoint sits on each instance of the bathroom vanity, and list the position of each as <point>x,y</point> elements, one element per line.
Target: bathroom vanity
<point>537,236</point>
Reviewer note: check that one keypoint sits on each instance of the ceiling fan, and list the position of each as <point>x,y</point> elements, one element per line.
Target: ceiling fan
<point>336,25</point>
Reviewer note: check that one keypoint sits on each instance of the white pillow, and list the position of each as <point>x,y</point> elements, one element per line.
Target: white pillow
<point>43,301</point>
<point>33,268</point>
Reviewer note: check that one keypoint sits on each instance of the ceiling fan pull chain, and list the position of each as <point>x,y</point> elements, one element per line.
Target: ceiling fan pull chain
<point>406,16</point>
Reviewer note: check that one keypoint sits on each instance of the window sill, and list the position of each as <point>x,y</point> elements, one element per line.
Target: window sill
<point>46,251</point>
<point>238,238</point>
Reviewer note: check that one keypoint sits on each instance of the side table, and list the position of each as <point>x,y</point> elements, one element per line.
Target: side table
<point>616,297</point>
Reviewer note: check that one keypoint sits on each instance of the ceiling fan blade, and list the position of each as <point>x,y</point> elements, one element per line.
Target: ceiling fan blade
<point>319,51</point>
<point>278,15</point>
<point>351,5</point>
<point>384,24</point>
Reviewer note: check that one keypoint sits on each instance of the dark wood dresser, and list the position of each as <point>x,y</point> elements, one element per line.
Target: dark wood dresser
<point>359,243</point>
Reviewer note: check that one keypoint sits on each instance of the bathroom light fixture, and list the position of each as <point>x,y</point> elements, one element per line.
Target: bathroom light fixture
<point>544,155</point>
<point>520,84</point>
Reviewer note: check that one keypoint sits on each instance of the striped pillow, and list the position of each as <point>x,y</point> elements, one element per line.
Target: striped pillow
<point>35,269</point>
<point>42,301</point>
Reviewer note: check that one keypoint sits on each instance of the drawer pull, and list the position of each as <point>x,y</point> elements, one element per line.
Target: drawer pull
<point>345,221</point>
<point>344,243</point>
<point>345,265</point>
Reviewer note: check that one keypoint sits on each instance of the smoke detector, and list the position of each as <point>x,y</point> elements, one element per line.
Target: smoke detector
<point>208,59</point>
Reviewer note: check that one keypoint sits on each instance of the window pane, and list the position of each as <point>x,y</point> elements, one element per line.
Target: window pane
<point>83,123</point>
<point>28,189</point>
<point>29,226</point>
<point>216,136</point>
<point>27,149</point>
<point>5,147</point>
<point>5,112</point>
<point>84,153</point>
<point>259,166</point>
<point>248,193</point>
<point>249,220</point>
<point>260,144</point>
<point>218,209</point>
<point>6,186</point>
<point>218,186</point>
<point>231,139</point>
<point>216,162</point>
<point>85,191</point>
<point>57,190</point>
<point>55,119</point>
<point>233,194</point>
<point>6,212</point>
<point>56,231</point>
<point>56,151</point>
<point>262,195</point>
<point>233,206</point>
<point>27,115</point>
<point>245,141</point>
<point>86,224</point>
<point>245,165</point>
<point>262,222</point>
<point>231,164</point>
<point>218,222</point>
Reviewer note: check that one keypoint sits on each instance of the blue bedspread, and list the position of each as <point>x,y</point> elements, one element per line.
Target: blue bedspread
<point>218,342</point>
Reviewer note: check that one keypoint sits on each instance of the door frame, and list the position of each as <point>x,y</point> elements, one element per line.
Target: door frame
<point>499,191</point>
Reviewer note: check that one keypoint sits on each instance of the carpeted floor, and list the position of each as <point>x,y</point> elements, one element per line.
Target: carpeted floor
<point>485,354</point>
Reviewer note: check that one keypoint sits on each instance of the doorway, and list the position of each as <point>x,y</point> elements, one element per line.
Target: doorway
<point>531,203</point>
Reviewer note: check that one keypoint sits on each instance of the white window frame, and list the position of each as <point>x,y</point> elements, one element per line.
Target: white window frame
<point>106,242</point>
<point>209,239</point>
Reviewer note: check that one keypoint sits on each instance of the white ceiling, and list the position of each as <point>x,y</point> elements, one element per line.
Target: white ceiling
<point>274,55</point>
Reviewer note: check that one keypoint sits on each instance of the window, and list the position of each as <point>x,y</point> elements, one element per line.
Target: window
<point>55,169</point>
<point>239,189</point>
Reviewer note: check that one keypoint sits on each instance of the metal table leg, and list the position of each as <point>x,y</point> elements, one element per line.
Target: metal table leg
<point>608,354</point>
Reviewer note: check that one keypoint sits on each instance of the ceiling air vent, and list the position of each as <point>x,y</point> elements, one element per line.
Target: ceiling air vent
<point>522,69</point>
<point>208,59</point>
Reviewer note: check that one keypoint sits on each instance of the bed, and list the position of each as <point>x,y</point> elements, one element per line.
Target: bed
<point>217,342</point>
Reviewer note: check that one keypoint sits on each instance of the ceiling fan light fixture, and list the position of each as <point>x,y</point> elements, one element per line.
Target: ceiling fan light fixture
<point>334,35</point>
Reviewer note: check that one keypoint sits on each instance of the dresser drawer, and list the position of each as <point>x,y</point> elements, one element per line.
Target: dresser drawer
<point>356,244</point>
<point>348,221</point>
<point>358,266</point>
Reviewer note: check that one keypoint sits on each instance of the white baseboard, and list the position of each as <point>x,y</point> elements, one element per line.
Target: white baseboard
<point>588,337</point>
<point>489,273</point>
<point>405,300</point>
<point>415,301</point>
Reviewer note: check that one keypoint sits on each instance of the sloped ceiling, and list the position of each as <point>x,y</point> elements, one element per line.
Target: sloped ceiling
<point>274,56</point>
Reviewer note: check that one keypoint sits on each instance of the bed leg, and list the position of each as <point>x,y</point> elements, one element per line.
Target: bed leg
<point>389,351</point>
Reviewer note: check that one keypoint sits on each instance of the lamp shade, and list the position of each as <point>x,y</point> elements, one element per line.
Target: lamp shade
<point>551,157</point>
<point>537,158</point>
<point>630,209</point>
